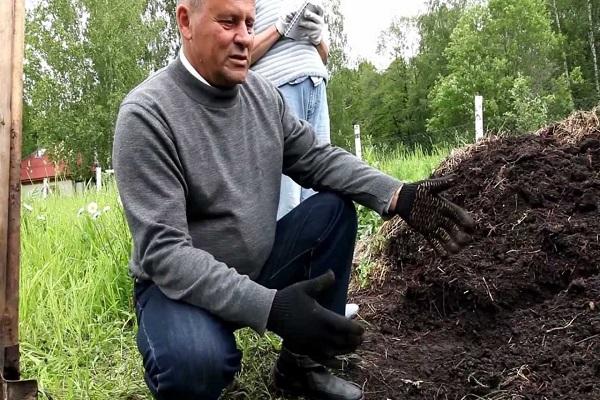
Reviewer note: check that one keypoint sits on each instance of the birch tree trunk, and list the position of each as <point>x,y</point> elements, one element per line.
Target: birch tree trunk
<point>593,47</point>
<point>564,54</point>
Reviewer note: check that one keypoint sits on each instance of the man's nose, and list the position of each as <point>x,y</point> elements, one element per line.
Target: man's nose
<point>243,37</point>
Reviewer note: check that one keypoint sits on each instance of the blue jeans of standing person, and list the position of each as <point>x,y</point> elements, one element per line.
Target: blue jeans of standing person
<point>190,354</point>
<point>308,101</point>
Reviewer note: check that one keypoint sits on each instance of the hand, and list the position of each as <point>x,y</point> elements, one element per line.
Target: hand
<point>312,24</point>
<point>443,223</point>
<point>308,328</point>
<point>284,20</point>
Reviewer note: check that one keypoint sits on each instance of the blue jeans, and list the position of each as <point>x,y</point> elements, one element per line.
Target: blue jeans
<point>307,102</point>
<point>188,353</point>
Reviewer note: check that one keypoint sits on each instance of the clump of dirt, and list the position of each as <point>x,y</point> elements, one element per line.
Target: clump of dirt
<point>515,315</point>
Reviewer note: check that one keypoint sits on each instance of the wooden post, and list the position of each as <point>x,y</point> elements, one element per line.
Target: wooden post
<point>14,206</point>
<point>6,39</point>
<point>478,118</point>
<point>357,144</point>
<point>12,42</point>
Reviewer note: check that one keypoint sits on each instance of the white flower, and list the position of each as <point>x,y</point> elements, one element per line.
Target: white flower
<point>92,208</point>
<point>81,210</point>
<point>96,215</point>
<point>27,207</point>
<point>41,217</point>
<point>105,209</point>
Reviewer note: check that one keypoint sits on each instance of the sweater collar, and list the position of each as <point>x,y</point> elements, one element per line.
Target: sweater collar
<point>191,69</point>
<point>202,93</point>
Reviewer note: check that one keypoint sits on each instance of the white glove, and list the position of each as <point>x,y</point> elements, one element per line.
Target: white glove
<point>284,20</point>
<point>312,25</point>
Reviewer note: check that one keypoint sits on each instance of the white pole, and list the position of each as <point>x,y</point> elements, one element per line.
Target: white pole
<point>478,118</point>
<point>98,178</point>
<point>45,188</point>
<point>357,144</point>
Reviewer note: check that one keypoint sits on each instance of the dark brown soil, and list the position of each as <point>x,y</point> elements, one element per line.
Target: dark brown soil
<point>516,315</point>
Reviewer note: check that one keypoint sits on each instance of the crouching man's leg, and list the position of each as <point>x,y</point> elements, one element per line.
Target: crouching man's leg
<point>188,353</point>
<point>313,238</point>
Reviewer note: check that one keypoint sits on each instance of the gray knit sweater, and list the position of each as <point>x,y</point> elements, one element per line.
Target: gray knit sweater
<point>198,171</point>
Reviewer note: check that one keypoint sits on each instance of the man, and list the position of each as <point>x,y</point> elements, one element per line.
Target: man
<point>199,150</point>
<point>296,66</point>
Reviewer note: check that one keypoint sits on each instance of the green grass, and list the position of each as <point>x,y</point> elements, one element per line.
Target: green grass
<point>77,325</point>
<point>75,305</point>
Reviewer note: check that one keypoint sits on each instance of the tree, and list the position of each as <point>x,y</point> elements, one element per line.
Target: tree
<point>82,57</point>
<point>592,28</point>
<point>576,23</point>
<point>431,63</point>
<point>341,95</point>
<point>392,105</point>
<point>338,58</point>
<point>394,41</point>
<point>507,52</point>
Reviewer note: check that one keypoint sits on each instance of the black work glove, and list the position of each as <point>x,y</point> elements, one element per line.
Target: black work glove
<point>307,327</point>
<point>444,224</point>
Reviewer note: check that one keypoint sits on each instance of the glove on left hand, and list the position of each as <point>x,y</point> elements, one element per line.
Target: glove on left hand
<point>283,22</point>
<point>312,24</point>
<point>444,224</point>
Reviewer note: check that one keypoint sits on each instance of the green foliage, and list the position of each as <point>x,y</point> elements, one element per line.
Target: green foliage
<point>575,21</point>
<point>530,112</point>
<point>82,57</point>
<point>76,316</point>
<point>505,51</point>
<point>430,63</point>
<point>338,41</point>
<point>512,52</point>
<point>391,106</point>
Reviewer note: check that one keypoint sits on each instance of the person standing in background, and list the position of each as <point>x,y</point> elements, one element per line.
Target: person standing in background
<point>298,69</point>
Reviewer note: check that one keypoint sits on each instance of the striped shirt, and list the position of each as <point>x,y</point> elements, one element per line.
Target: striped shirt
<point>288,60</point>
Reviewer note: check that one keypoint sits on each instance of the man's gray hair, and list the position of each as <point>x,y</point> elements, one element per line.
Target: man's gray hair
<point>192,3</point>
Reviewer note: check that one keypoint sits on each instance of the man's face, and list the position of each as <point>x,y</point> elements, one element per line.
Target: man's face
<point>218,37</point>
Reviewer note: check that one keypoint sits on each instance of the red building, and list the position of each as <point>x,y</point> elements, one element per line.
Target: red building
<point>37,166</point>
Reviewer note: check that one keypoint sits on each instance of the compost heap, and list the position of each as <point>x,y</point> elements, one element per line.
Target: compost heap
<point>515,315</point>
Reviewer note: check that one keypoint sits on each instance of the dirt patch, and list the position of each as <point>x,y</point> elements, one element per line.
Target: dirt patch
<point>516,315</point>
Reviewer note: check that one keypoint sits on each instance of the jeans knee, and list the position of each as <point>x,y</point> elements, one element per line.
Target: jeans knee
<point>344,210</point>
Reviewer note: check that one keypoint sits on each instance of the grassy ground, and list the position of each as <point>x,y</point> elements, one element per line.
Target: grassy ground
<point>77,325</point>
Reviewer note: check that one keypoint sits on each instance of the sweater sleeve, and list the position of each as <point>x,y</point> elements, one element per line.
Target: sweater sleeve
<point>152,186</point>
<point>324,167</point>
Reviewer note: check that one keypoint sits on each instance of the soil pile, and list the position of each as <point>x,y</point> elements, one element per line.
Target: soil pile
<point>516,315</point>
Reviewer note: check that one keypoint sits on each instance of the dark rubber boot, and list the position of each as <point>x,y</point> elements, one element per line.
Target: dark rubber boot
<point>298,375</point>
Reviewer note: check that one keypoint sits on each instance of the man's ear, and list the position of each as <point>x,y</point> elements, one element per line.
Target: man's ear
<point>183,14</point>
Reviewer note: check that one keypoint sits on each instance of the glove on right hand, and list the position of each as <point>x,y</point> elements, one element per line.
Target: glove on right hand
<point>307,327</point>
